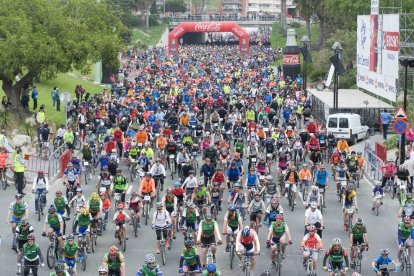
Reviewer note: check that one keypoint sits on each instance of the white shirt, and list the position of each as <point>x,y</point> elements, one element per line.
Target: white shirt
<point>157,169</point>
<point>161,219</point>
<point>42,183</point>
<point>313,217</point>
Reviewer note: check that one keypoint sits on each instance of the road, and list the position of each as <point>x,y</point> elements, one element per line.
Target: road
<point>381,233</point>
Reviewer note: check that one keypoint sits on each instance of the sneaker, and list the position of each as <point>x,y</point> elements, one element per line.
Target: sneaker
<point>174,237</point>
<point>283,255</point>
<point>372,208</point>
<point>19,270</point>
<point>228,248</point>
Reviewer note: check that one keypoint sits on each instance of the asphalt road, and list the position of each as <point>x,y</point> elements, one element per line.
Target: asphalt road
<point>382,232</point>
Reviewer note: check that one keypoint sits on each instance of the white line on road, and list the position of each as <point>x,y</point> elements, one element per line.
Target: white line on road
<point>129,189</point>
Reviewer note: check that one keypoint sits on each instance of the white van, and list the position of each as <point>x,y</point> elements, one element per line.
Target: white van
<point>347,125</point>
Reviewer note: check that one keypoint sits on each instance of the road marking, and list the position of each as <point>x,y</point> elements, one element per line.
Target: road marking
<point>301,197</point>
<point>129,189</point>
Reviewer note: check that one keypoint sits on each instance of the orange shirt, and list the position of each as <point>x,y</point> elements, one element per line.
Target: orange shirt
<point>184,120</point>
<point>161,142</point>
<point>291,178</point>
<point>106,204</point>
<point>261,134</point>
<point>305,174</point>
<point>146,186</point>
<point>141,136</point>
<point>361,161</point>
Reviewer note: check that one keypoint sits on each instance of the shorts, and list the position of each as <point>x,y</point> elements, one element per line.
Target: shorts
<point>191,225</point>
<point>335,266</point>
<point>20,244</point>
<point>70,262</point>
<point>247,247</point>
<point>320,186</point>
<point>232,229</point>
<point>194,267</point>
<point>294,187</point>
<point>83,230</point>
<point>254,215</point>
<point>15,219</point>
<point>208,240</point>
<point>404,241</point>
<point>61,212</point>
<point>164,233</point>
<point>276,240</point>
<point>358,241</point>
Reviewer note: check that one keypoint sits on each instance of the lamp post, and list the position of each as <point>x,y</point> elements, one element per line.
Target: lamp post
<point>406,62</point>
<point>336,59</point>
<point>305,42</point>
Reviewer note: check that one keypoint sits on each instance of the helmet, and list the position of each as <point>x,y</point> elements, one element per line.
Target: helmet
<point>149,258</point>
<point>52,209</point>
<point>279,217</point>
<point>84,211</point>
<point>378,184</point>
<point>232,207</point>
<point>314,204</point>
<point>269,177</point>
<point>246,231</point>
<point>407,219</point>
<point>70,237</point>
<point>159,205</point>
<point>311,228</point>
<point>257,193</point>
<point>118,170</point>
<point>79,189</point>
<point>103,269</point>
<point>70,164</point>
<point>169,190</point>
<point>113,250</point>
<point>58,192</point>
<point>94,196</point>
<point>359,221</point>
<point>208,217</point>
<point>177,184</point>
<point>120,206</point>
<point>18,196</point>
<point>189,243</point>
<point>31,236</point>
<point>384,251</point>
<point>359,153</point>
<point>59,268</point>
<point>211,268</point>
<point>351,187</point>
<point>40,172</point>
<point>314,189</point>
<point>133,194</point>
<point>336,241</point>
<point>409,196</point>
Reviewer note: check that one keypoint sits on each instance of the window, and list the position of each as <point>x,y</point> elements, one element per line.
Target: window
<point>343,123</point>
<point>333,123</point>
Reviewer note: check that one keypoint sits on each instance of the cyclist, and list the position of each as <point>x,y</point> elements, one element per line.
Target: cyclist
<point>120,218</point>
<point>219,177</point>
<point>72,176</point>
<point>405,236</point>
<point>232,224</point>
<point>278,233</point>
<point>189,217</point>
<point>342,146</point>
<point>292,178</point>
<point>361,163</point>
<point>18,210</point>
<point>239,198</point>
<point>190,183</point>
<point>352,163</point>
<point>87,156</point>
<point>40,185</point>
<point>313,196</point>
<point>336,255</point>
<point>160,221</point>
<point>247,241</point>
<point>147,186</point>
<point>23,229</point>
<point>60,270</point>
<point>32,256</point>
<point>150,268</point>
<point>134,204</point>
<point>388,171</point>
<point>169,202</point>
<point>61,203</point>
<point>207,234</point>
<point>190,259</point>
<point>407,209</point>
<point>158,173</point>
<point>305,177</point>
<point>211,270</point>
<point>256,209</point>
<point>201,197</point>
<point>105,180</point>
<point>216,196</point>
<point>78,201</point>
<point>349,200</point>
<point>120,184</point>
<point>70,250</point>
<point>321,181</point>
<point>95,206</point>
<point>114,261</point>
<point>207,171</point>
<point>379,191</point>
<point>83,221</point>
<point>273,210</point>
<point>54,223</point>
<point>380,264</point>
<point>341,176</point>
<point>358,236</point>
<point>313,216</point>
<point>310,245</point>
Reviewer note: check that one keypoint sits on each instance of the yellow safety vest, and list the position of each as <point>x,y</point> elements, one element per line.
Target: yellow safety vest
<point>300,109</point>
<point>40,117</point>
<point>18,167</point>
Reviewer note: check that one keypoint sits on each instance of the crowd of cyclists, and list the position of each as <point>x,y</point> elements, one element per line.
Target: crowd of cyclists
<point>207,135</point>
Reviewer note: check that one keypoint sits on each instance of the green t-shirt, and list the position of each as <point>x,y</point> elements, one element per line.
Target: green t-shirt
<point>60,203</point>
<point>65,273</point>
<point>94,205</point>
<point>233,221</point>
<point>205,273</point>
<point>31,252</point>
<point>190,218</point>
<point>336,256</point>
<point>70,250</point>
<point>278,231</point>
<point>239,147</point>
<point>113,264</point>
<point>207,228</point>
<point>145,271</point>
<point>53,221</point>
<point>120,183</point>
<point>405,232</point>
<point>190,256</point>
<point>358,233</point>
<point>18,210</point>
<point>84,220</point>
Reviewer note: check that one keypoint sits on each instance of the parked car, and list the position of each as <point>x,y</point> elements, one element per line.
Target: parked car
<point>347,125</point>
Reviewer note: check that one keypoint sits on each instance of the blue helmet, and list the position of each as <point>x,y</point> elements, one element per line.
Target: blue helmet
<point>211,268</point>
<point>177,184</point>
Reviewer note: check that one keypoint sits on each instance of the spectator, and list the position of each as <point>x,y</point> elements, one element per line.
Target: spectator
<point>385,121</point>
<point>18,168</point>
<point>53,96</point>
<point>409,135</point>
<point>41,116</point>
<point>25,100</point>
<point>34,97</point>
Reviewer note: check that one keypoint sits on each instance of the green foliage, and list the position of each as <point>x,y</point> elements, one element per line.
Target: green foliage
<point>154,8</point>
<point>28,129</point>
<point>295,25</point>
<point>130,20</point>
<point>278,40</point>
<point>391,143</point>
<point>6,119</point>
<point>154,20</point>
<point>142,38</point>
<point>175,6</point>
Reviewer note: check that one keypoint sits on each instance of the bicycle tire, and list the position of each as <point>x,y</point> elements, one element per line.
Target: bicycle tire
<point>279,263</point>
<point>50,258</point>
<point>163,253</point>
<point>358,266</point>
<point>392,192</point>
<point>40,210</point>
<point>135,224</point>
<point>349,226</point>
<point>77,144</point>
<point>57,153</point>
<point>4,184</point>
<point>123,243</point>
<point>231,255</point>
<point>408,267</point>
<point>303,192</point>
<point>86,175</point>
<point>377,210</point>
<point>84,259</point>
<point>93,242</point>
<point>146,213</point>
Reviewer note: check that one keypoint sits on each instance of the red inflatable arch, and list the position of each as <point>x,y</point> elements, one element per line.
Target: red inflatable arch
<point>208,27</point>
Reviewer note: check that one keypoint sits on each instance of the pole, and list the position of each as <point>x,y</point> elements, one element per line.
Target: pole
<point>402,152</point>
<point>306,69</point>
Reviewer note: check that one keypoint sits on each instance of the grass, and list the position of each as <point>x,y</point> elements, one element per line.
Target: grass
<point>65,83</point>
<point>278,40</point>
<point>148,37</point>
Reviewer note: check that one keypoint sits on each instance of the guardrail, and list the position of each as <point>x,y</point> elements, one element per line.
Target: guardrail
<point>372,165</point>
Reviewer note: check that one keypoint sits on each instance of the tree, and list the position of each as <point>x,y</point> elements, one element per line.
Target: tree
<point>283,22</point>
<point>50,37</point>
<point>305,9</point>
<point>175,6</point>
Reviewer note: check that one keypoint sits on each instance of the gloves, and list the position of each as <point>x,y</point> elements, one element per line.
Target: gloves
<point>375,269</point>
<point>180,270</point>
<point>153,226</point>
<point>325,268</point>
<point>44,234</point>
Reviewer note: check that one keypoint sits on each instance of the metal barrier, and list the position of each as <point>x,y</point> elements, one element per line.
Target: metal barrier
<point>373,165</point>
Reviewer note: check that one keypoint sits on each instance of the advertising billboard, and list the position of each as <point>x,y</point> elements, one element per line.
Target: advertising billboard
<point>378,44</point>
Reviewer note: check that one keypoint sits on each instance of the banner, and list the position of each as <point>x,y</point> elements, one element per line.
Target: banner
<point>377,54</point>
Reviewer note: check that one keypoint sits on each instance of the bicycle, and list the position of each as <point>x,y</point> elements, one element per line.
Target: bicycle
<point>134,222</point>
<point>356,176</point>
<point>146,201</point>
<point>291,196</point>
<point>210,258</point>
<point>171,164</point>
<point>133,168</point>
<point>52,251</point>
<point>247,262</point>
<point>162,243</point>
<point>402,192</point>
<point>357,258</point>
<point>341,189</point>
<point>30,268</point>
<point>406,260</point>
<point>350,213</point>
<point>82,253</point>
<point>41,202</point>
<point>94,234</point>
<point>104,219</point>
<point>3,178</point>
<point>214,210</point>
<point>277,263</point>
<point>88,171</point>
<point>120,234</point>
<point>232,248</point>
<point>378,196</point>
<point>323,204</point>
<point>309,263</point>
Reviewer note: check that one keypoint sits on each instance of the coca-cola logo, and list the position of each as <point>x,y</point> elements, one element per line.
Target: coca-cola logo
<point>291,59</point>
<point>178,32</point>
<point>392,41</point>
<point>237,31</point>
<point>207,27</point>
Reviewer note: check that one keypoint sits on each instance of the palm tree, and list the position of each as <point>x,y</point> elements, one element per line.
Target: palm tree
<point>305,9</point>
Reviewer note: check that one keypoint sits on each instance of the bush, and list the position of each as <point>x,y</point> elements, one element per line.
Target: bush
<point>131,20</point>
<point>391,143</point>
<point>154,20</point>
<point>295,25</point>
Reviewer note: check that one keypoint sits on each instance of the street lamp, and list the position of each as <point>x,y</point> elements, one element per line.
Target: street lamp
<point>339,69</point>
<point>306,57</point>
<point>406,62</point>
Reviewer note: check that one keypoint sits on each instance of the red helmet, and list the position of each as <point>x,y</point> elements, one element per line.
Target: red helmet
<point>311,228</point>
<point>279,217</point>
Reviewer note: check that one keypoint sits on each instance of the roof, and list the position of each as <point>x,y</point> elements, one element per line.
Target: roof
<point>349,98</point>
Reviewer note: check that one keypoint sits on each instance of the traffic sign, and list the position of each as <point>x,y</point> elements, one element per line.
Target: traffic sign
<point>400,114</point>
<point>400,126</point>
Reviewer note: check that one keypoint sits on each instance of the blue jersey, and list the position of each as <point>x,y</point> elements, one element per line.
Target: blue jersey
<point>382,263</point>
<point>378,190</point>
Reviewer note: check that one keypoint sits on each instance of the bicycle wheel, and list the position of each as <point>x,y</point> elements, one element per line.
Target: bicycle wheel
<point>163,252</point>
<point>4,184</point>
<point>358,263</point>
<point>132,173</point>
<point>279,263</point>
<point>93,242</point>
<point>77,144</point>
<point>86,175</point>
<point>57,153</point>
<point>349,226</point>
<point>123,242</point>
<point>40,209</point>
<point>303,190</point>
<point>146,213</point>
<point>24,182</point>
<point>292,206</point>
<point>135,224</point>
<point>377,209</point>
<point>231,255</point>
<point>392,192</point>
<point>84,259</point>
<point>408,267</point>
<point>51,256</point>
